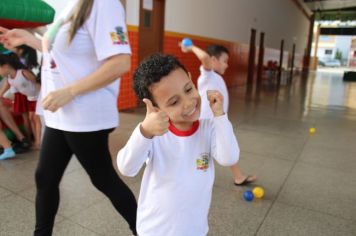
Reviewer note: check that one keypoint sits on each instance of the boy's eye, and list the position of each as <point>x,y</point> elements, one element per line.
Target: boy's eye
<point>189,89</point>
<point>173,103</point>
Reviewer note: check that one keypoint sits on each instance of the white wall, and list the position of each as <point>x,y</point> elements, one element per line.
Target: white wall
<point>343,44</point>
<point>58,5</point>
<point>232,20</point>
<point>321,53</point>
<point>132,12</point>
<point>229,20</point>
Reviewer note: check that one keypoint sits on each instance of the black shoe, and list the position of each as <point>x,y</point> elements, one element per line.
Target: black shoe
<point>25,143</point>
<point>21,146</point>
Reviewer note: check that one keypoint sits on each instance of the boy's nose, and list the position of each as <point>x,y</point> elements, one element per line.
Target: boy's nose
<point>189,104</point>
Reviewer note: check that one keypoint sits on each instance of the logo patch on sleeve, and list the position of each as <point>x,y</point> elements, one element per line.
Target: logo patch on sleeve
<point>119,36</point>
<point>203,162</point>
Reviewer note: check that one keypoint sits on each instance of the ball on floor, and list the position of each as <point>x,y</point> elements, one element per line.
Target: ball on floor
<point>248,195</point>
<point>258,192</point>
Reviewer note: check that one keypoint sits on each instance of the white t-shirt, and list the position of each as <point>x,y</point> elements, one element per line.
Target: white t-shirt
<point>177,183</point>
<point>210,80</point>
<point>104,34</point>
<point>24,86</point>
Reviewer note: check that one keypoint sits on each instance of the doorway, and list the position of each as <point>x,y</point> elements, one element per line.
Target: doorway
<point>151,28</point>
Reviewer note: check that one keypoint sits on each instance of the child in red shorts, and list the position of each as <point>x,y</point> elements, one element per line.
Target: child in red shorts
<point>23,83</point>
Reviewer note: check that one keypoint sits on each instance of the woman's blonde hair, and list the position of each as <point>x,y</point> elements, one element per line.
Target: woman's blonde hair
<point>80,14</point>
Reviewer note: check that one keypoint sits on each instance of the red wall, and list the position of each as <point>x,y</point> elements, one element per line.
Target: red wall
<point>127,98</point>
<point>236,74</point>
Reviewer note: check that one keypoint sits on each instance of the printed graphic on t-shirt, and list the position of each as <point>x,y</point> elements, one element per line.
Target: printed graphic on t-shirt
<point>119,37</point>
<point>203,162</point>
<point>53,64</point>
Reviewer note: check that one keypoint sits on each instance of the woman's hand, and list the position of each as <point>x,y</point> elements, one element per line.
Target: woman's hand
<point>56,99</point>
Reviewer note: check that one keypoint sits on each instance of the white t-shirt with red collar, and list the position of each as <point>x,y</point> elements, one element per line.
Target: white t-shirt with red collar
<point>210,80</point>
<point>102,35</point>
<point>178,179</point>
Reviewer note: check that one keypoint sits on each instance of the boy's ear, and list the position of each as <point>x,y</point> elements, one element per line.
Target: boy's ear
<point>214,58</point>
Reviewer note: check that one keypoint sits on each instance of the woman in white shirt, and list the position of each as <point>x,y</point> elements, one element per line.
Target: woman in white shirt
<point>84,54</point>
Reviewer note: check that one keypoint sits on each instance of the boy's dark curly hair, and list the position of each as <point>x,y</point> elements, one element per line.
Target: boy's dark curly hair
<point>151,70</point>
<point>216,50</point>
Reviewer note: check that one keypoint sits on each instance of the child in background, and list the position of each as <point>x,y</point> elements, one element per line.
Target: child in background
<point>214,62</point>
<point>178,150</point>
<point>24,82</point>
<point>28,56</point>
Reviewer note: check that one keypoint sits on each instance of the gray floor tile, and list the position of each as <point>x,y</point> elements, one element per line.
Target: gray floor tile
<point>285,220</point>
<point>285,127</point>
<point>76,191</point>
<point>329,157</point>
<point>321,189</point>
<point>270,172</point>
<point>66,228</point>
<point>103,218</point>
<point>269,145</point>
<point>17,216</point>
<point>17,177</point>
<point>4,193</point>
<point>231,215</point>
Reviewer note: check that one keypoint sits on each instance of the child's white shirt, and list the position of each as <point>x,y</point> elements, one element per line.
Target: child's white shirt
<point>210,80</point>
<point>103,34</point>
<point>177,183</point>
<point>24,86</point>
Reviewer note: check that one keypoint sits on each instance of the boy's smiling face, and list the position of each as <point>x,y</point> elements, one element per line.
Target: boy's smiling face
<point>176,95</point>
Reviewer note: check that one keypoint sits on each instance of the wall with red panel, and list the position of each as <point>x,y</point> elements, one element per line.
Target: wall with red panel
<point>236,74</point>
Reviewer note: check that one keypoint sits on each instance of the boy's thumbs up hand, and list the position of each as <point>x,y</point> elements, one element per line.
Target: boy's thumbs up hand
<point>216,101</point>
<point>155,123</point>
<point>149,106</point>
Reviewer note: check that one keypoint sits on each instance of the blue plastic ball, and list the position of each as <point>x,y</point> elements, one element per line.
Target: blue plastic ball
<point>248,195</point>
<point>187,42</point>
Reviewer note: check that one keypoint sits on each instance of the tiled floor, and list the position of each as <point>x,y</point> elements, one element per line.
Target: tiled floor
<point>309,180</point>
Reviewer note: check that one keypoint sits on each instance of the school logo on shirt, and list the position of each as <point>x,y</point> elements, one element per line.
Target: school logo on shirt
<point>203,162</point>
<point>119,36</point>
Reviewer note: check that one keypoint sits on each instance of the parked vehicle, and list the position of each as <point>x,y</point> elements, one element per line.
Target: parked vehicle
<point>329,63</point>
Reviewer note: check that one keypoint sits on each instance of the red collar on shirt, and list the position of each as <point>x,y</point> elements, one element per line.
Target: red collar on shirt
<point>184,133</point>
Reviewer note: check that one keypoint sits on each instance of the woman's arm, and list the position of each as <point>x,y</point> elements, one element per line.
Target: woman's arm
<point>111,70</point>
<point>16,37</point>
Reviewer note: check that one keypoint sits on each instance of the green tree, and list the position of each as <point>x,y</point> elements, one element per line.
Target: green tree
<point>338,55</point>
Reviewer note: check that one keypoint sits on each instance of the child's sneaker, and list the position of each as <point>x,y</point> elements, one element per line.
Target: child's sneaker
<point>8,153</point>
